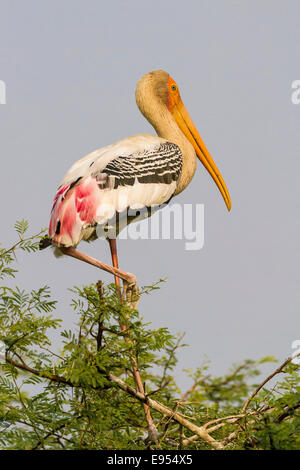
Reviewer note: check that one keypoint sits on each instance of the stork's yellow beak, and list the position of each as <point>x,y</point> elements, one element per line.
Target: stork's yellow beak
<point>185,123</point>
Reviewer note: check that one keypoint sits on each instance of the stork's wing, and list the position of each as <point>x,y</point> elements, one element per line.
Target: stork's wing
<point>160,165</point>
<point>96,188</point>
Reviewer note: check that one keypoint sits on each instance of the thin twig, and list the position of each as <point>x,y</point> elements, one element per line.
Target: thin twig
<point>277,371</point>
<point>42,374</point>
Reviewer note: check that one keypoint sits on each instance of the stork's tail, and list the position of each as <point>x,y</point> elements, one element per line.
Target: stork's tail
<point>45,242</point>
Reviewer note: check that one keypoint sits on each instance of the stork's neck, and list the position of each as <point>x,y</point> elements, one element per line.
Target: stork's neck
<point>157,113</point>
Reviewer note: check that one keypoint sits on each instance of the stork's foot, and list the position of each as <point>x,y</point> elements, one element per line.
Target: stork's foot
<point>131,294</point>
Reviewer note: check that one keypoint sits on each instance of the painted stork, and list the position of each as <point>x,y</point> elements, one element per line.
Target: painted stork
<point>141,171</point>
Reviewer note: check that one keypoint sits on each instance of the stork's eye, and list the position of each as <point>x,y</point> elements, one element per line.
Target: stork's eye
<point>174,87</point>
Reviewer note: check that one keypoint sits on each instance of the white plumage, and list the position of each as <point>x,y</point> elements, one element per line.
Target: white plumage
<point>101,157</point>
<point>136,172</point>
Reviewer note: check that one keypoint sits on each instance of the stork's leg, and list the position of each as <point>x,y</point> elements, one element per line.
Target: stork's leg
<point>127,277</point>
<point>153,434</point>
<point>114,257</point>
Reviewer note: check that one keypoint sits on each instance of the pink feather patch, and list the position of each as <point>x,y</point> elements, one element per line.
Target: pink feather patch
<point>73,209</point>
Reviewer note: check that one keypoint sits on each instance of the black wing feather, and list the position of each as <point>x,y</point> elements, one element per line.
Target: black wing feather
<point>162,164</point>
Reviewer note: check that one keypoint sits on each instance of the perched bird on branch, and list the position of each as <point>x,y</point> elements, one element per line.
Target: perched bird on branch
<point>101,190</point>
<point>142,171</point>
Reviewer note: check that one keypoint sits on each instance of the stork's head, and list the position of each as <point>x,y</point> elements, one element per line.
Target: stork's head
<point>165,89</point>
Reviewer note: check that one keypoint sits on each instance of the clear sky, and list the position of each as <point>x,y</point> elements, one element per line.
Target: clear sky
<point>70,70</point>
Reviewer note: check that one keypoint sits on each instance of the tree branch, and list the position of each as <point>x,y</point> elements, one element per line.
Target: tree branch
<point>44,375</point>
<point>164,410</point>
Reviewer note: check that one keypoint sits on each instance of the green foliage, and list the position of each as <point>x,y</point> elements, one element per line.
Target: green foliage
<point>64,397</point>
<point>30,244</point>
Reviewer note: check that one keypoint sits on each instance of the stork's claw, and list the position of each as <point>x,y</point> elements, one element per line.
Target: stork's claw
<point>130,293</point>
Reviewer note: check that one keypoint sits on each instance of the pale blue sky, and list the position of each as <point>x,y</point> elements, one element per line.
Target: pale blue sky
<point>71,68</point>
